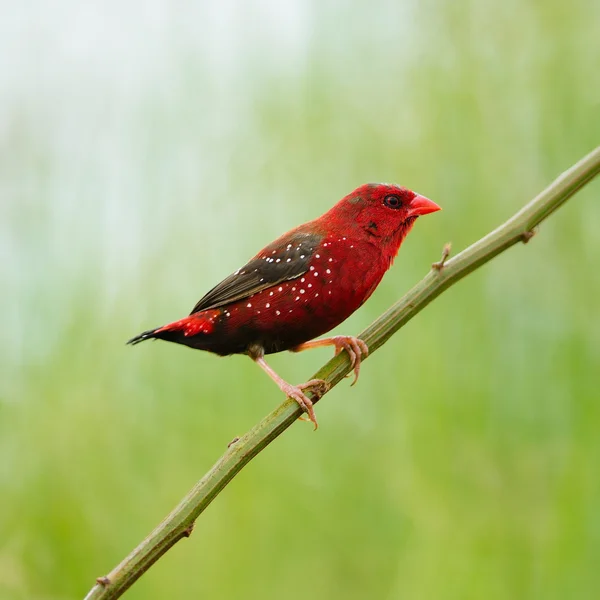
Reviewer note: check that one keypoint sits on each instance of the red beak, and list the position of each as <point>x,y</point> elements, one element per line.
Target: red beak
<point>420,205</point>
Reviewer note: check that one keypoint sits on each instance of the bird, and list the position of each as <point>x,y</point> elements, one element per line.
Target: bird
<point>302,285</point>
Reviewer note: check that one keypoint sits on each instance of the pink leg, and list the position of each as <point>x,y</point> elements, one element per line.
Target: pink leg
<point>295,391</point>
<point>355,348</point>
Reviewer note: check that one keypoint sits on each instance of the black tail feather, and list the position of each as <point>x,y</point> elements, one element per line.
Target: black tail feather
<point>142,337</point>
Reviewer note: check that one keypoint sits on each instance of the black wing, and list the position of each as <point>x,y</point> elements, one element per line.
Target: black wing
<point>286,258</point>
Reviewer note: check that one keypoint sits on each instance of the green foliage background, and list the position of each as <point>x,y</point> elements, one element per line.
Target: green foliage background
<point>147,150</point>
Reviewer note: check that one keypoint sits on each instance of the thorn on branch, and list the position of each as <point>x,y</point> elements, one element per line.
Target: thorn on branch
<point>525,237</point>
<point>104,581</point>
<point>233,441</point>
<point>439,265</point>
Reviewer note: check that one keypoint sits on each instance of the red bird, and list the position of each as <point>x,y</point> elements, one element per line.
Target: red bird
<point>304,284</point>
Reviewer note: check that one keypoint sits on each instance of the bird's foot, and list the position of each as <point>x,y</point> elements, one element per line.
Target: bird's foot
<point>295,392</point>
<point>356,349</point>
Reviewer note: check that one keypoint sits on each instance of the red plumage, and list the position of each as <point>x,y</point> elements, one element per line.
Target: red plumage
<point>304,284</point>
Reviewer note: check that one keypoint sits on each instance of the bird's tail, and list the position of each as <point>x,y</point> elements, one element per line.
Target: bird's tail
<point>146,335</point>
<point>180,332</point>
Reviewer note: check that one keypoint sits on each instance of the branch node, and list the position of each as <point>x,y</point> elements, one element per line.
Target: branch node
<point>525,237</point>
<point>104,581</point>
<point>321,388</point>
<point>233,441</point>
<point>439,265</point>
<point>189,529</point>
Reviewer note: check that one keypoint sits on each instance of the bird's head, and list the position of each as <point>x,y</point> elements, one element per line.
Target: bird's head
<point>381,211</point>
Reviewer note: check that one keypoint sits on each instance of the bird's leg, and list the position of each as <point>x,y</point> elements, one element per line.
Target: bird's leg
<point>354,346</point>
<point>318,387</point>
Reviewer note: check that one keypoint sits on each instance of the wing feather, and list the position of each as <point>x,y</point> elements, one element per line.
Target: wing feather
<point>286,258</point>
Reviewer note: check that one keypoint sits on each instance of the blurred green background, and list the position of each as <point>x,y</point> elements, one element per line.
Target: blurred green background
<point>148,149</point>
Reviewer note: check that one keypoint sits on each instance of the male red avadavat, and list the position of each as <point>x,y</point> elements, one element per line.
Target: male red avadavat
<point>304,284</point>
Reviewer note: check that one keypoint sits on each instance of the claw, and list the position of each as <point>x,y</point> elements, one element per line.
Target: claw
<point>355,348</point>
<point>317,386</point>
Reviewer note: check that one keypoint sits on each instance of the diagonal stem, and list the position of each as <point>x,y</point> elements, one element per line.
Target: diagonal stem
<point>180,521</point>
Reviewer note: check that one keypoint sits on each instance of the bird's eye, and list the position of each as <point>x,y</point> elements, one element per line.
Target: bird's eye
<point>392,202</point>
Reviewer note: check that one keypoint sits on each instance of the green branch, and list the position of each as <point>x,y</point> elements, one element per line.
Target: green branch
<point>180,522</point>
